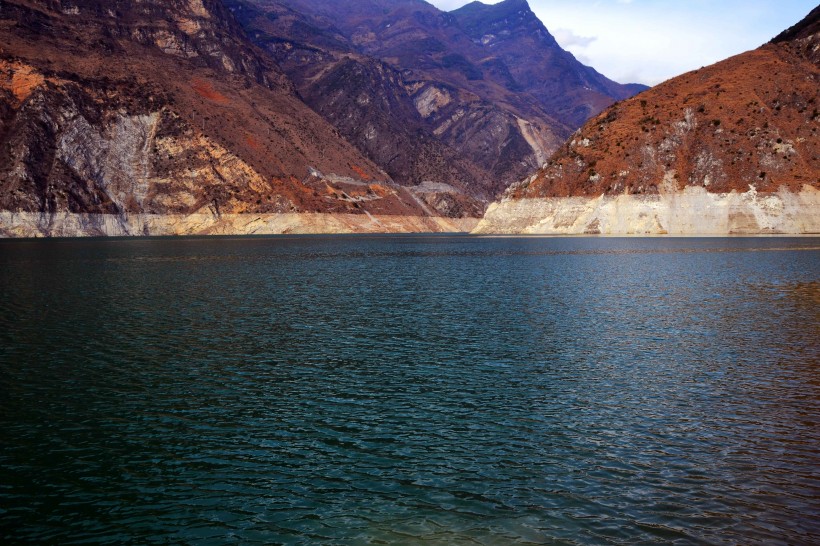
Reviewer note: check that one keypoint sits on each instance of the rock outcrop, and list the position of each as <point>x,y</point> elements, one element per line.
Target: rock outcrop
<point>693,211</point>
<point>66,224</point>
<point>730,148</point>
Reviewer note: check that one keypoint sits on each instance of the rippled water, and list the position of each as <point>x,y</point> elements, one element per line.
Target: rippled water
<point>441,390</point>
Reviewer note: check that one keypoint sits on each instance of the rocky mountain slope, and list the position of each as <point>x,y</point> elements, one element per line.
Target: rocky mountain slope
<point>149,117</point>
<point>421,96</point>
<point>730,148</point>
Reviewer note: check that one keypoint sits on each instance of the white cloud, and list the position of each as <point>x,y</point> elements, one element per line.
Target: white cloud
<point>567,38</point>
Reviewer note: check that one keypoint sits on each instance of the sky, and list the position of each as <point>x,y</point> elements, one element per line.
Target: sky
<point>649,41</point>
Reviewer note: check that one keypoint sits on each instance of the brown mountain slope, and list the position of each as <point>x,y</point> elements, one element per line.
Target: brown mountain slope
<point>749,120</point>
<point>163,108</point>
<point>747,126</point>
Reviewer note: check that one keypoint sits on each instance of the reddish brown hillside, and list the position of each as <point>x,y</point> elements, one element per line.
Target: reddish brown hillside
<point>751,120</point>
<point>164,108</point>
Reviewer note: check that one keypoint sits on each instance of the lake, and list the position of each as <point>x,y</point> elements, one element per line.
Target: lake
<point>410,390</point>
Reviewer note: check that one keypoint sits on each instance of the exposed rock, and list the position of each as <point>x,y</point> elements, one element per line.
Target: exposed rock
<point>66,224</point>
<point>693,211</point>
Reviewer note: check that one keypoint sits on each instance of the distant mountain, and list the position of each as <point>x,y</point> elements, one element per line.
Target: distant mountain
<point>424,85</point>
<point>365,99</point>
<point>730,148</point>
<point>525,57</point>
<point>148,116</point>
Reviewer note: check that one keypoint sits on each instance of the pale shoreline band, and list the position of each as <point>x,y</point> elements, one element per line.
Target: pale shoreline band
<point>690,212</point>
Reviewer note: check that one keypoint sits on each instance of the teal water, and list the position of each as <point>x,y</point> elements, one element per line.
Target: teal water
<point>409,390</point>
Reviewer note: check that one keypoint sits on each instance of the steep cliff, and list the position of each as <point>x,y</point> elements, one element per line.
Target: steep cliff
<point>730,148</point>
<point>118,117</point>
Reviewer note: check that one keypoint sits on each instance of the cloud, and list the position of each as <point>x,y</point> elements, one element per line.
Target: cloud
<point>567,38</point>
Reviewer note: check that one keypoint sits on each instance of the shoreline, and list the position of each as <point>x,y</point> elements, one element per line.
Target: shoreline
<point>63,224</point>
<point>693,212</point>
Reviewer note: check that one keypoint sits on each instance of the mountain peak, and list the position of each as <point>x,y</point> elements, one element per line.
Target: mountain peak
<point>507,6</point>
<point>517,4</point>
<point>478,19</point>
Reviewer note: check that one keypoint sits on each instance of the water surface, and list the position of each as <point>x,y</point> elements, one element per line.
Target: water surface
<point>405,390</point>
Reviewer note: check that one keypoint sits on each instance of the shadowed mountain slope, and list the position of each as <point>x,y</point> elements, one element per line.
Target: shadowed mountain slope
<point>525,56</point>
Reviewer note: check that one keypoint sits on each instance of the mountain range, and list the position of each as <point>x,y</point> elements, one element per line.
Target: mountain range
<point>428,95</point>
<point>126,116</point>
<point>269,116</point>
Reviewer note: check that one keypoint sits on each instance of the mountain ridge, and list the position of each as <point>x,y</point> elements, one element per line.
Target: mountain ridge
<point>512,31</point>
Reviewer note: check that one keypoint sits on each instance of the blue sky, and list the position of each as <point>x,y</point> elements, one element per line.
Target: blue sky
<point>649,41</point>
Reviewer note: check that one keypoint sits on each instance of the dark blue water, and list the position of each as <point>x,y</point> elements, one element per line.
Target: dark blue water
<point>404,390</point>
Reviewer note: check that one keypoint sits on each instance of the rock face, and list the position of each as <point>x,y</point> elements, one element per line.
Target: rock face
<point>730,148</point>
<point>423,96</point>
<point>111,111</point>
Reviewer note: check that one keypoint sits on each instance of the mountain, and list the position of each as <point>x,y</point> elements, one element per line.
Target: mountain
<point>154,117</point>
<point>423,129</point>
<point>522,53</point>
<point>366,101</point>
<point>432,104</point>
<point>730,148</point>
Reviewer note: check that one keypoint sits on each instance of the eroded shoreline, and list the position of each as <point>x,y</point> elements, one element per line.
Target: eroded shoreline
<point>693,211</point>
